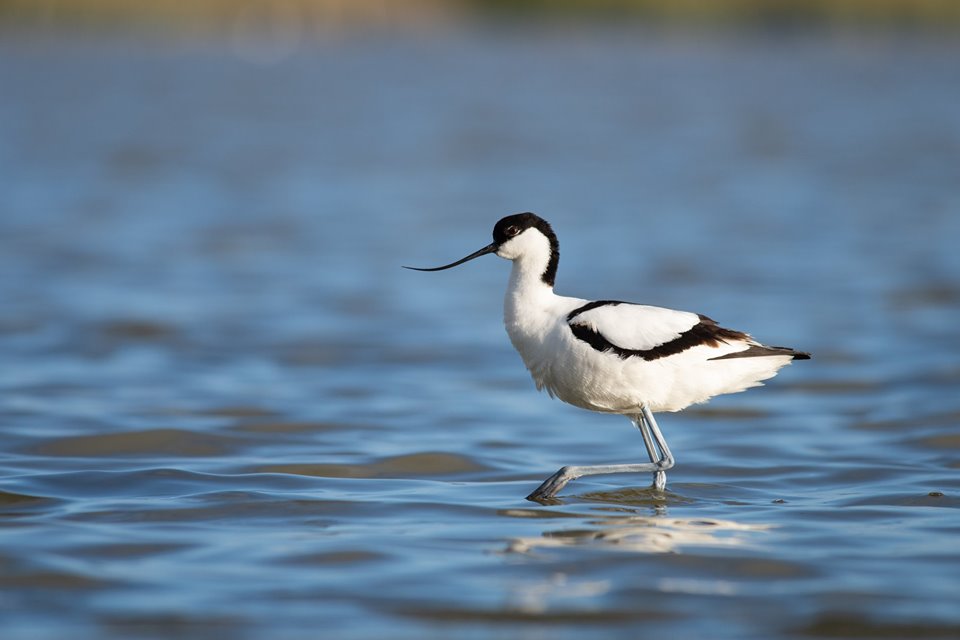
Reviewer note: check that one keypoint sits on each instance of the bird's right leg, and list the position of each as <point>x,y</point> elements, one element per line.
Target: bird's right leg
<point>552,485</point>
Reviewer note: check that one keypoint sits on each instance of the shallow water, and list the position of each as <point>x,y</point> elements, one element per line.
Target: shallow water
<point>227,412</point>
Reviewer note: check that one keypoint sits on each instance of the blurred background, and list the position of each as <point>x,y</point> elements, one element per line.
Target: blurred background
<point>227,412</point>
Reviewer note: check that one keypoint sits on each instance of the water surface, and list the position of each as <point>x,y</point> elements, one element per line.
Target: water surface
<point>227,412</point>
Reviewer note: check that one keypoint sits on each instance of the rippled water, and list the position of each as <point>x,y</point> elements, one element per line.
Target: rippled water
<point>227,412</point>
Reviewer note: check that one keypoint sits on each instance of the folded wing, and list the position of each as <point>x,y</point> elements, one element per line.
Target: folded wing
<point>635,330</point>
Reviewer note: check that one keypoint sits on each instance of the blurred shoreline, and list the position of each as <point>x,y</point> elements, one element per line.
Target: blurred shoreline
<point>203,17</point>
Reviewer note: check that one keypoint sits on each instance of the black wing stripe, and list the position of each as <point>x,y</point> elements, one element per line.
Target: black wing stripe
<point>591,305</point>
<point>706,332</point>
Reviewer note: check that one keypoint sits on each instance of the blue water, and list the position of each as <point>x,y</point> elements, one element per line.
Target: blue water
<point>227,412</point>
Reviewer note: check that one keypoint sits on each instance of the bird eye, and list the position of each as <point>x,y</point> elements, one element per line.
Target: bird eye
<point>512,230</point>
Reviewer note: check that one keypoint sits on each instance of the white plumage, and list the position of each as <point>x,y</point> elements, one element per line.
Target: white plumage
<point>612,356</point>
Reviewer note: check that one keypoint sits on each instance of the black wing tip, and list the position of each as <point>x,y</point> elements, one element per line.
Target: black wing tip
<point>760,351</point>
<point>788,351</point>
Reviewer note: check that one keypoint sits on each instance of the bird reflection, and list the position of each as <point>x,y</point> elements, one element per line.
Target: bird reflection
<point>648,534</point>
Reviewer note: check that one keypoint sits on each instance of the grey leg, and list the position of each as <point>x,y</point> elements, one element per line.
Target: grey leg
<point>552,485</point>
<point>659,476</point>
<point>652,439</point>
<point>650,430</point>
<point>666,458</point>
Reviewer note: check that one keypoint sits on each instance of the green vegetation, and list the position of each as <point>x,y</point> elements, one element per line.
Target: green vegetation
<point>893,13</point>
<point>215,15</point>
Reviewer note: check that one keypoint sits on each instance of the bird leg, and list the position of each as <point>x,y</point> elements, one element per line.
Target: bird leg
<point>653,439</point>
<point>658,465</point>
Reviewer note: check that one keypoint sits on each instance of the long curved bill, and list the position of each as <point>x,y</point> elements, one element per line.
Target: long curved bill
<point>490,248</point>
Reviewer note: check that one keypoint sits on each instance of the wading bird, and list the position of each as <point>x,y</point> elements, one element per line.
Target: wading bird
<point>612,356</point>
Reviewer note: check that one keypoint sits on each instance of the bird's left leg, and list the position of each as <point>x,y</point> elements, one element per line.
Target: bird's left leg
<point>659,476</point>
<point>654,441</point>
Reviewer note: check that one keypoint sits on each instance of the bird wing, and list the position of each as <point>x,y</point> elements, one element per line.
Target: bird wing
<point>629,327</point>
